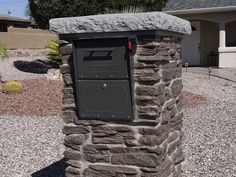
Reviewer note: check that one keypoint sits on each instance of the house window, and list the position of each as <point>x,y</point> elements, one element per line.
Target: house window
<point>3,27</point>
<point>230,30</point>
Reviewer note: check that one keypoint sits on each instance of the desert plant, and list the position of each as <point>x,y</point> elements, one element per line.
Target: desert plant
<point>12,87</point>
<point>54,53</point>
<point>3,53</point>
<point>129,9</point>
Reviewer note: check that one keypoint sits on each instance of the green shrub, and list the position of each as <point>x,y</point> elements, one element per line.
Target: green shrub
<point>12,87</point>
<point>44,10</point>
<point>3,53</point>
<point>54,53</point>
<point>129,9</point>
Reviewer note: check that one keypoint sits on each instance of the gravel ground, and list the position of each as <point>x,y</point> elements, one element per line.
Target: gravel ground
<point>30,145</point>
<point>40,97</point>
<point>209,130</point>
<point>9,72</point>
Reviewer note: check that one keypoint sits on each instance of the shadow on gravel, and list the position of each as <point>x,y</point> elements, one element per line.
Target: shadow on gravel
<point>36,66</point>
<point>56,169</point>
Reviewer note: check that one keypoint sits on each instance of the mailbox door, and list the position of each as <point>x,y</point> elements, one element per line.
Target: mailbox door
<point>104,99</point>
<point>102,58</point>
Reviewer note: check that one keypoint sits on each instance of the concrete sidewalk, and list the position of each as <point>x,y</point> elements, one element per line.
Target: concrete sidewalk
<point>225,73</point>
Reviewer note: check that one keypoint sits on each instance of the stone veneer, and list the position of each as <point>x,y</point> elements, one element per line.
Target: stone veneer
<point>148,146</point>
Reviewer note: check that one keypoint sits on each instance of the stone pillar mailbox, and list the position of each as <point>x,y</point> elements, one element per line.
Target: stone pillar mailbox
<point>122,94</point>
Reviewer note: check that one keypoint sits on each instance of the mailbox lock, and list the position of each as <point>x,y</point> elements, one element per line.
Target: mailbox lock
<point>104,86</point>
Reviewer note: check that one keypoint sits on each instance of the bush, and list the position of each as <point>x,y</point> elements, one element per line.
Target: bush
<point>43,10</point>
<point>12,87</point>
<point>3,53</point>
<point>54,53</point>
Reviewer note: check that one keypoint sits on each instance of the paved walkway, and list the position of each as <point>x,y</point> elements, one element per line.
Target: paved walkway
<point>226,73</point>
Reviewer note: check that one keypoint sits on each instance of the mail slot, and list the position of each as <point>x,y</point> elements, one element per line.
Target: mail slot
<point>102,58</point>
<point>103,78</point>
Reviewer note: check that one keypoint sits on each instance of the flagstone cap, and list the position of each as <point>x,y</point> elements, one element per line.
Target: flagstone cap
<point>120,23</point>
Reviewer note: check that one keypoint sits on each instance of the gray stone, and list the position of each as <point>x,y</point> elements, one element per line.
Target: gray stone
<point>76,139</point>
<point>140,65</point>
<point>65,49</point>
<point>67,59</point>
<point>70,106</point>
<point>173,136</point>
<point>68,116</point>
<point>153,131</point>
<point>152,140</point>
<point>120,22</point>
<point>146,90</point>
<point>80,129</point>
<point>109,171</point>
<point>148,112</point>
<point>113,135</point>
<point>65,68</point>
<point>67,79</point>
<point>165,165</point>
<point>146,101</point>
<point>165,117</point>
<point>72,154</point>
<point>72,175</point>
<point>96,153</point>
<point>177,156</point>
<point>176,87</point>
<point>137,159</point>
<point>173,145</point>
<point>72,170</point>
<point>89,122</point>
<point>63,42</point>
<point>169,104</point>
<point>68,101</point>
<point>68,90</point>
<point>74,163</point>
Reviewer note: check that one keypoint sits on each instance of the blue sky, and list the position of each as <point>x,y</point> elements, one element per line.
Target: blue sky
<point>16,7</point>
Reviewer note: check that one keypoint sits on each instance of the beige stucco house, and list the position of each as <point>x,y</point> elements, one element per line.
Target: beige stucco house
<point>18,33</point>
<point>213,40</point>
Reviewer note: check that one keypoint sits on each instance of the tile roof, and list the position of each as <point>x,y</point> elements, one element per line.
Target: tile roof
<point>173,5</point>
<point>12,18</point>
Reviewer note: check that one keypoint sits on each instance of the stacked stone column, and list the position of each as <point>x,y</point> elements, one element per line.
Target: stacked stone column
<point>150,146</point>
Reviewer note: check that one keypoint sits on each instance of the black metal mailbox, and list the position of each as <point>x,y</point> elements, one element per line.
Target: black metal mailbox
<point>103,78</point>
